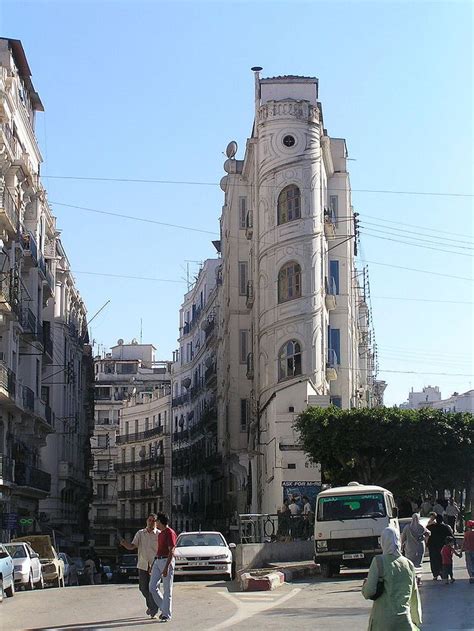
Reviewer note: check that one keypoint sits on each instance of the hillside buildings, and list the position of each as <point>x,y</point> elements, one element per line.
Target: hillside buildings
<point>44,409</point>
<point>123,375</point>
<point>428,396</point>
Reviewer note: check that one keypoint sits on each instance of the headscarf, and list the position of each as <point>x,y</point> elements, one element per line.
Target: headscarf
<point>417,530</point>
<point>390,541</point>
<point>470,523</point>
<point>439,519</point>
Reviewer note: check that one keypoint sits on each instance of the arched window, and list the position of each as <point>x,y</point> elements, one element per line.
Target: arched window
<point>289,204</point>
<point>289,360</point>
<point>289,282</point>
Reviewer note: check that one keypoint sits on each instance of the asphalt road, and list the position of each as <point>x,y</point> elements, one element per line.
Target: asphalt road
<point>316,605</point>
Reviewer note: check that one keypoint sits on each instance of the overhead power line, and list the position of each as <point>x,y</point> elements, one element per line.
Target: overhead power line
<point>196,183</point>
<point>432,238</point>
<point>411,225</point>
<point>365,232</point>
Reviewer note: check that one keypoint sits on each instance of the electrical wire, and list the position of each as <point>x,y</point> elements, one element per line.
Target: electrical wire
<point>406,233</point>
<point>197,183</point>
<point>416,245</point>
<point>411,225</point>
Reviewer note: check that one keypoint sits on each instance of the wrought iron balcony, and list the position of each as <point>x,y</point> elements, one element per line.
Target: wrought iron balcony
<point>9,214</point>
<point>28,398</point>
<point>137,436</point>
<point>139,493</point>
<point>30,248</point>
<point>6,468</point>
<point>26,475</point>
<point>137,465</point>
<point>7,382</point>
<point>210,374</point>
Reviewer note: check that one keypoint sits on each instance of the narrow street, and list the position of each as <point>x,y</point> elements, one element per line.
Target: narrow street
<point>315,604</point>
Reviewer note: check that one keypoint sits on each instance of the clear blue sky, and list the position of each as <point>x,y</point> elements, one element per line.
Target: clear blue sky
<point>156,90</point>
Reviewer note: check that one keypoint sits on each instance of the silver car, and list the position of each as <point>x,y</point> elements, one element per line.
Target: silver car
<point>27,566</point>
<point>70,570</point>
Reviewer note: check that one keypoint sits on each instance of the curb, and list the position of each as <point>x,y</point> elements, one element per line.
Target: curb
<point>295,573</point>
<point>261,582</point>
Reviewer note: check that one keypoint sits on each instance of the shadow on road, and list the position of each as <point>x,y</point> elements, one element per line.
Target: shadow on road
<point>318,612</point>
<point>98,624</point>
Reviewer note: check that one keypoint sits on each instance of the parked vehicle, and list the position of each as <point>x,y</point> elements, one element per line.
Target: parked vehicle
<point>79,563</point>
<point>51,564</point>
<point>7,579</point>
<point>127,568</point>
<point>203,553</point>
<point>349,521</point>
<point>70,570</point>
<point>27,566</point>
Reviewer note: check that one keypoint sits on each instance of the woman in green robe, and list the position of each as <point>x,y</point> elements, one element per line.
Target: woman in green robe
<point>399,606</point>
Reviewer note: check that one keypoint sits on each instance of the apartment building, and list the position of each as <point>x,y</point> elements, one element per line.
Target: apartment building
<point>127,371</point>
<point>293,317</point>
<point>42,327</point>
<point>144,462</point>
<point>197,489</point>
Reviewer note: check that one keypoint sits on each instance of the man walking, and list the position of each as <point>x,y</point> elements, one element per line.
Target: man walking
<point>146,542</point>
<point>163,568</point>
<point>451,513</point>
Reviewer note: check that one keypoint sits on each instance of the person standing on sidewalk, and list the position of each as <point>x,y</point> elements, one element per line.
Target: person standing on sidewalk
<point>468,549</point>
<point>451,513</point>
<point>163,568</point>
<point>146,542</point>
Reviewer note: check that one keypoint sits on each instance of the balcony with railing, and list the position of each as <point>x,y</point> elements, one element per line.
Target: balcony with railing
<point>182,399</point>
<point>30,248</point>
<point>138,436</point>
<point>7,384</point>
<point>9,214</point>
<point>6,469</point>
<point>138,465</point>
<point>28,476</point>
<point>28,321</point>
<point>28,399</point>
<point>210,374</point>
<point>47,343</point>
<point>331,365</point>
<point>331,293</point>
<point>330,222</point>
<point>152,491</point>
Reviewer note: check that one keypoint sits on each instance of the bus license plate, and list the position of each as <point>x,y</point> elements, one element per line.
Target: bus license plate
<point>358,555</point>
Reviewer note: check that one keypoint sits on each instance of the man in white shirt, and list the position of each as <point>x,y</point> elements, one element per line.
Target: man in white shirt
<point>438,508</point>
<point>146,542</point>
<point>294,508</point>
<point>452,512</point>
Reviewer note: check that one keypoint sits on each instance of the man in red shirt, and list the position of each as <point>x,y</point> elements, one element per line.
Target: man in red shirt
<point>163,568</point>
<point>468,549</point>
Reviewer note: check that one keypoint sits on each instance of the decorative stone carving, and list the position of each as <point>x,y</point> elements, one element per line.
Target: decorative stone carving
<point>301,110</point>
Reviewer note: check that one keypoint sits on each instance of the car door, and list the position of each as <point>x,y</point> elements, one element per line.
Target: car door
<point>34,563</point>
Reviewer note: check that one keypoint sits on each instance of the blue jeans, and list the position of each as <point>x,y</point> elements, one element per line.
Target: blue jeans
<point>469,563</point>
<point>163,600</point>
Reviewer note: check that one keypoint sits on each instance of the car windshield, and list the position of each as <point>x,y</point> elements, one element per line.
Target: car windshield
<point>16,551</point>
<point>200,539</point>
<point>129,559</point>
<point>341,507</point>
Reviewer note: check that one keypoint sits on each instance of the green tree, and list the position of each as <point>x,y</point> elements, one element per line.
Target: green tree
<point>408,451</point>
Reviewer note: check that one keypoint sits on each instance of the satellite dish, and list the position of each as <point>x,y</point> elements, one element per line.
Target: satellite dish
<point>231,149</point>
<point>120,342</point>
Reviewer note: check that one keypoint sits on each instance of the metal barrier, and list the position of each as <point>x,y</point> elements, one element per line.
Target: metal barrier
<point>264,528</point>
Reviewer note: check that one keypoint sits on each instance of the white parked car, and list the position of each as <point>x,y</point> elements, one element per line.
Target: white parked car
<point>27,566</point>
<point>203,553</point>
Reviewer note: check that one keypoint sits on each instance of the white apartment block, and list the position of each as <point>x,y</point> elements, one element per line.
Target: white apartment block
<point>44,419</point>
<point>293,323</point>
<point>126,372</point>
<point>198,484</point>
<point>463,402</point>
<point>426,398</point>
<point>144,462</point>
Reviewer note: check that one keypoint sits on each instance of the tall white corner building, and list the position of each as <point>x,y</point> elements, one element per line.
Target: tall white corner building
<point>293,322</point>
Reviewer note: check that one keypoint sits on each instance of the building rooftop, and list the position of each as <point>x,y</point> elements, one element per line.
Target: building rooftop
<point>21,62</point>
<point>289,78</point>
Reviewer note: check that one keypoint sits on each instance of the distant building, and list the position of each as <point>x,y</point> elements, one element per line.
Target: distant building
<point>456,402</point>
<point>416,400</point>
<point>143,465</point>
<point>124,373</point>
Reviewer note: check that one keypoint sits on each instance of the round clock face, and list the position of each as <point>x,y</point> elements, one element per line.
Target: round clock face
<point>289,141</point>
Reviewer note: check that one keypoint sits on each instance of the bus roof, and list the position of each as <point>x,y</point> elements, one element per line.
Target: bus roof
<point>353,490</point>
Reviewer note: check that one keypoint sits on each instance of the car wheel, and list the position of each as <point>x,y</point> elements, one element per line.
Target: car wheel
<point>1,590</point>
<point>40,584</point>
<point>10,591</point>
<point>29,586</point>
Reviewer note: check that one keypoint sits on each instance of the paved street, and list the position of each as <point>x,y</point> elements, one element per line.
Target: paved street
<point>314,604</point>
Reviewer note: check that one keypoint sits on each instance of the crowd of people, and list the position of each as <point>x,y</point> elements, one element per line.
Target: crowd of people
<point>393,578</point>
<point>295,518</point>
<point>448,509</point>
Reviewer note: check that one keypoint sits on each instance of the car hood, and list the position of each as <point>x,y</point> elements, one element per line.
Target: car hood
<point>41,544</point>
<point>201,551</point>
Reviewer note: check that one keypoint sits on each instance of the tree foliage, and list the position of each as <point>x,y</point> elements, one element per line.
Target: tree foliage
<point>408,451</point>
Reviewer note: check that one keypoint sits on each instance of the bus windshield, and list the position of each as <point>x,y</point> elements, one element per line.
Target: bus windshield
<point>341,507</point>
